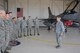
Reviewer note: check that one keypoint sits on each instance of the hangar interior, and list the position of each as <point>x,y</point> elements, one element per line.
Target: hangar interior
<point>46,41</point>
<point>39,8</point>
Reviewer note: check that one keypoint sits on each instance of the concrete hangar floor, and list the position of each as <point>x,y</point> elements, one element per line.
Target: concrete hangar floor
<point>46,42</point>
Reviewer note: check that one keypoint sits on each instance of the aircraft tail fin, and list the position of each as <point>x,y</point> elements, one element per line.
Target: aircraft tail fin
<point>51,16</point>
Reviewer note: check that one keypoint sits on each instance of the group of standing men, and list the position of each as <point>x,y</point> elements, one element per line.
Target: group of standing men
<point>5,29</point>
<point>12,28</point>
<point>25,26</point>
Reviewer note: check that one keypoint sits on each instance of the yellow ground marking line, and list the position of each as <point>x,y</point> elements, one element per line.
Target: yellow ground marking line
<point>52,42</point>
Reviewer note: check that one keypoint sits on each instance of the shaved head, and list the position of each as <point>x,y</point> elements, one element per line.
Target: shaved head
<point>3,14</point>
<point>2,11</point>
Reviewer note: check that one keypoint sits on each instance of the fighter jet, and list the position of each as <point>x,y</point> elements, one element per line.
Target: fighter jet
<point>68,14</point>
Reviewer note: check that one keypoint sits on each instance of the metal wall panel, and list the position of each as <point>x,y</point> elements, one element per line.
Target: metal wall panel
<point>1,4</point>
